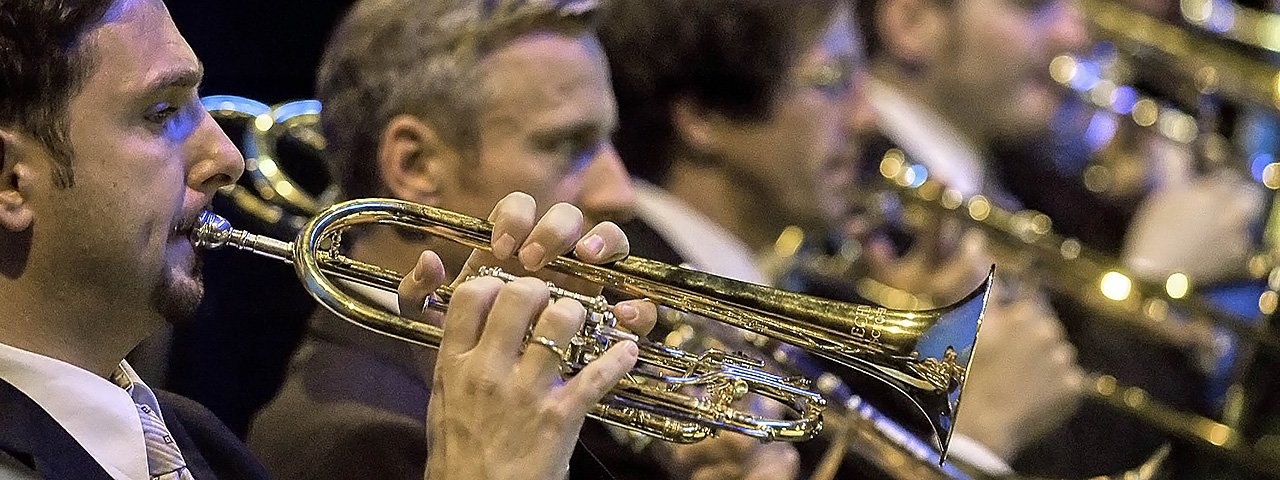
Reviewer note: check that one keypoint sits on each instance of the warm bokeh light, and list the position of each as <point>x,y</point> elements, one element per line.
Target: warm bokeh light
<point>1177,285</point>
<point>1116,286</point>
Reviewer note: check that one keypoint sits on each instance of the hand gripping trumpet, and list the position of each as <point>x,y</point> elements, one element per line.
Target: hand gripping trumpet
<point>923,354</point>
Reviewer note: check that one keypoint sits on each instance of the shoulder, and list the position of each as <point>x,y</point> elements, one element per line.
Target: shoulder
<point>320,442</point>
<point>211,450</point>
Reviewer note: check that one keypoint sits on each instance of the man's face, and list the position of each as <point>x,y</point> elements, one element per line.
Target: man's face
<point>147,159</point>
<point>545,130</point>
<point>800,155</point>
<point>994,62</point>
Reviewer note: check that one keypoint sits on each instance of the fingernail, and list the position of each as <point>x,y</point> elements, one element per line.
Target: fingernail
<point>532,256</point>
<point>504,247</point>
<point>632,348</point>
<point>417,269</point>
<point>594,245</point>
<point>627,312</point>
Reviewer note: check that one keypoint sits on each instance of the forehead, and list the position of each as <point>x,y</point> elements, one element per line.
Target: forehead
<point>840,36</point>
<point>134,46</point>
<point>546,78</point>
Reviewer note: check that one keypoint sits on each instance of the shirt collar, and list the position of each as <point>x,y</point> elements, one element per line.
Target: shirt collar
<point>928,138</point>
<point>703,244</point>
<point>98,414</point>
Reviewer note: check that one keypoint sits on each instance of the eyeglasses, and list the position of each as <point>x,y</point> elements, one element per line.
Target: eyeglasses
<point>832,78</point>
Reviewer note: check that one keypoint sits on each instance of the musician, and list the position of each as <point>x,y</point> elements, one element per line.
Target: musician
<point>106,158</point>
<point>952,82</point>
<point>738,120</point>
<point>451,104</point>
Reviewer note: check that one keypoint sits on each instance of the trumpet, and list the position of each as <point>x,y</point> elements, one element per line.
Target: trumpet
<point>1204,67</point>
<point>923,355</point>
<point>1073,268</point>
<point>1085,275</point>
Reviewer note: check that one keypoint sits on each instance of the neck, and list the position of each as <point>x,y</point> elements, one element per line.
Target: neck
<point>76,327</point>
<point>925,88</point>
<point>726,201</point>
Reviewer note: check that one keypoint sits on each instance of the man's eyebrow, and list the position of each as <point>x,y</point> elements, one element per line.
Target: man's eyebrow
<point>176,78</point>
<point>573,129</point>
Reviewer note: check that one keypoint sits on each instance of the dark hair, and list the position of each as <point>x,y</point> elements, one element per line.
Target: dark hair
<point>42,66</point>
<point>865,15</point>
<point>418,57</point>
<point>726,56</point>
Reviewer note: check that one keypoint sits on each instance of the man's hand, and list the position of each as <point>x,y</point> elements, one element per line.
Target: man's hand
<point>521,247</point>
<point>500,409</point>
<point>942,263</point>
<point>1024,380</point>
<point>1201,228</point>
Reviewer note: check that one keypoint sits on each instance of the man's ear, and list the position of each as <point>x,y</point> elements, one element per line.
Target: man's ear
<point>413,160</point>
<point>16,214</point>
<point>694,125</point>
<point>911,30</point>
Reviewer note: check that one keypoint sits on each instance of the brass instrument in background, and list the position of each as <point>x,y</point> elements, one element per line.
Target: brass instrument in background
<point>1200,65</point>
<point>268,191</point>
<point>922,354</point>
<point>298,121</point>
<point>1066,265</point>
<point>241,118</point>
<point>1025,241</point>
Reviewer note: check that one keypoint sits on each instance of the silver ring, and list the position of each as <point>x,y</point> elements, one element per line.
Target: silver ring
<point>551,345</point>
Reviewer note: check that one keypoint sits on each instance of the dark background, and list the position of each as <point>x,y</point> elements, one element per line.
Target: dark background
<point>262,49</point>
<point>232,356</point>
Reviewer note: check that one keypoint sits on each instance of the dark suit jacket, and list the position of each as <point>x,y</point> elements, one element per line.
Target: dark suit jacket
<point>31,436</point>
<point>353,405</point>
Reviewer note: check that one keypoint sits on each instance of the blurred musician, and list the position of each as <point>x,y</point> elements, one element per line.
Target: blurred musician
<point>107,157</point>
<point>739,119</point>
<point>450,103</point>
<point>953,83</point>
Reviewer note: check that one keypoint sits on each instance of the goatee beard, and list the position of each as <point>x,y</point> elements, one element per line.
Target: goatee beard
<point>179,293</point>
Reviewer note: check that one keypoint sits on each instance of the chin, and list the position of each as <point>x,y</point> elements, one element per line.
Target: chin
<point>179,294</point>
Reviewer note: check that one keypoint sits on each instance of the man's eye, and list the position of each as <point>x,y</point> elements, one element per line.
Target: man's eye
<point>161,113</point>
<point>832,79</point>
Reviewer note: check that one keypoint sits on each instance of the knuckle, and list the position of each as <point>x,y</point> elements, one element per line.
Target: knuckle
<point>555,412</point>
<point>566,210</point>
<point>565,312</point>
<point>482,386</point>
<point>526,287</point>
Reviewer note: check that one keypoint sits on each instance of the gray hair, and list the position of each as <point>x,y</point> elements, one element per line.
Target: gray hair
<point>421,58</point>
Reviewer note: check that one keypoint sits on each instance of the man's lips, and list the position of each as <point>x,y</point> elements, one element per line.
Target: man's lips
<point>184,225</point>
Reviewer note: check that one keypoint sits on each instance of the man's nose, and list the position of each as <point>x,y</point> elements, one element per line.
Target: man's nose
<point>606,192</point>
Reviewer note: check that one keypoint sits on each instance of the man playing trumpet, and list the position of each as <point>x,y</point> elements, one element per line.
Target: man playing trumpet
<point>106,158</point>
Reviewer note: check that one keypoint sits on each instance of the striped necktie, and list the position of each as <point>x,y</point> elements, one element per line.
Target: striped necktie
<point>164,460</point>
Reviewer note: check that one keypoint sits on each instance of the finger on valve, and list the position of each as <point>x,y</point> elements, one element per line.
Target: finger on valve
<point>481,423</point>
<point>419,285</point>
<point>556,233</point>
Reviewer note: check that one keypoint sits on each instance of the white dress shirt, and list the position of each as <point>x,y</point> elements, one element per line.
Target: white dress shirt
<point>98,414</point>
<point>699,241</point>
<point>929,140</point>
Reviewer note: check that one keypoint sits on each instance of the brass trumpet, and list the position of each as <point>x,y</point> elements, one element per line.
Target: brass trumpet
<point>923,354</point>
<point>1090,278</point>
